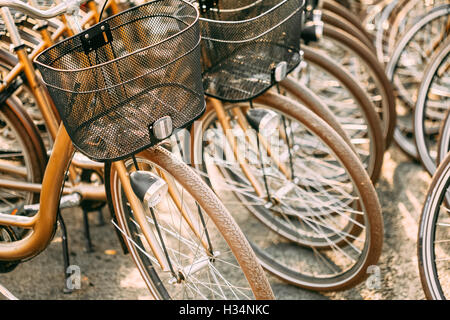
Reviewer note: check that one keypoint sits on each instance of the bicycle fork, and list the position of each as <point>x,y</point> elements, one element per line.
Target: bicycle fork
<point>144,190</point>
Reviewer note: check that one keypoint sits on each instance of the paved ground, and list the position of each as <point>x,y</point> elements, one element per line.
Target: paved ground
<point>108,274</point>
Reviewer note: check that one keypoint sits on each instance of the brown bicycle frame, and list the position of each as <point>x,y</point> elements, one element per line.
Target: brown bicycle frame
<point>47,107</point>
<point>42,224</point>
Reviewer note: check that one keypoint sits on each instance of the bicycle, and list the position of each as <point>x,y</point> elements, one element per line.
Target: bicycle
<point>84,173</point>
<point>143,191</point>
<point>372,158</point>
<point>115,188</point>
<point>232,151</point>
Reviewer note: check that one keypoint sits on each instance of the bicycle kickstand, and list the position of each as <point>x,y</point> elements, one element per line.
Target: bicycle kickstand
<point>87,233</point>
<point>66,257</point>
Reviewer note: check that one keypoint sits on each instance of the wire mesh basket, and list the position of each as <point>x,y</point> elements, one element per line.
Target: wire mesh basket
<point>248,45</point>
<point>126,83</point>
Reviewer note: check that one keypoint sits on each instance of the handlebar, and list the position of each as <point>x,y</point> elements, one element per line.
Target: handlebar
<point>68,6</point>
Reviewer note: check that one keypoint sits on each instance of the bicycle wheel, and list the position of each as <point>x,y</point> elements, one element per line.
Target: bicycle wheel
<point>344,13</point>
<point>405,16</point>
<point>406,66</point>
<point>433,101</point>
<point>26,97</point>
<point>434,234</point>
<point>363,65</point>
<point>350,104</point>
<point>317,223</point>
<point>23,157</point>
<point>215,263</point>
<point>330,18</point>
<point>383,28</point>
<point>372,15</point>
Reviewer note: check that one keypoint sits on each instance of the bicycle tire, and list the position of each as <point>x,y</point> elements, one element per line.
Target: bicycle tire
<point>209,203</point>
<point>30,142</point>
<point>343,12</point>
<point>387,112</point>
<point>420,110</point>
<point>330,18</point>
<point>405,17</point>
<point>426,251</point>
<point>361,181</point>
<point>444,139</point>
<point>401,139</point>
<point>363,103</point>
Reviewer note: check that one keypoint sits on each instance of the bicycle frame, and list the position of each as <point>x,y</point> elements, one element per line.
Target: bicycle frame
<point>43,222</point>
<point>45,102</point>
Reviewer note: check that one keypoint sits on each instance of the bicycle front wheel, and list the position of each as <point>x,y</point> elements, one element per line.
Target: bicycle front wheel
<point>209,256</point>
<point>315,220</point>
<point>433,101</point>
<point>406,70</point>
<point>433,245</point>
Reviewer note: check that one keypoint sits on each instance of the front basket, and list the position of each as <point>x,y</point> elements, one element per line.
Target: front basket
<point>114,81</point>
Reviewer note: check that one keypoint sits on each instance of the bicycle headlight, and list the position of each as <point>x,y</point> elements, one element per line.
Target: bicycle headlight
<point>148,187</point>
<point>264,121</point>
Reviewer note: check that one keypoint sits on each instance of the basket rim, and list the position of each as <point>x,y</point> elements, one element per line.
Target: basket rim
<point>293,13</point>
<point>147,146</point>
<point>122,57</point>
<point>172,61</point>
<point>281,3</point>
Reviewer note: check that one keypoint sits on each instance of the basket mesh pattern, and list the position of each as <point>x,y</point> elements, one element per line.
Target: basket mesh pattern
<point>108,98</point>
<point>243,41</point>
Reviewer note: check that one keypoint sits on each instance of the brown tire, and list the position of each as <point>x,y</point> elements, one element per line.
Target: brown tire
<point>29,142</point>
<point>364,104</point>
<point>210,204</point>
<point>366,195</point>
<point>388,114</point>
<point>333,19</point>
<point>343,12</point>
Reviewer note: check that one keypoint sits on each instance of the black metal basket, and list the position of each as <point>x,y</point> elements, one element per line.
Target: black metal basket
<point>248,45</point>
<point>129,81</point>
